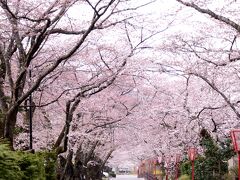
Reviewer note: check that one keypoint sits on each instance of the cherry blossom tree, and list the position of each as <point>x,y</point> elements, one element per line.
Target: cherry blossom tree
<point>200,57</point>
<point>47,39</point>
<point>104,72</point>
<point>213,60</point>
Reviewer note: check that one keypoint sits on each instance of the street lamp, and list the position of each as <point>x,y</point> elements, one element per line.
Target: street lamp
<point>30,115</point>
<point>235,135</point>
<point>192,151</point>
<point>177,160</point>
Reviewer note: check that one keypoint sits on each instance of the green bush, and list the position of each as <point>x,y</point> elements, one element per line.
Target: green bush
<point>50,160</point>
<point>185,167</point>
<point>17,165</point>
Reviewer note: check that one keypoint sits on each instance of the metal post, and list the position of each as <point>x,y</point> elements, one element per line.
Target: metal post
<point>30,116</point>
<point>176,171</point>
<point>162,169</point>
<point>192,170</point>
<point>167,173</point>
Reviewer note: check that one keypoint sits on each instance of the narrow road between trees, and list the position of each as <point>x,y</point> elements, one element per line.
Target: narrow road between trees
<point>127,177</point>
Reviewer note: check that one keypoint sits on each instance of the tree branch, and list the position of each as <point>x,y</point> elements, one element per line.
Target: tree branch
<point>231,105</point>
<point>212,14</point>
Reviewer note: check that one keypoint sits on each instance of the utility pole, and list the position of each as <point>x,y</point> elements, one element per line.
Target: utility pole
<point>30,116</point>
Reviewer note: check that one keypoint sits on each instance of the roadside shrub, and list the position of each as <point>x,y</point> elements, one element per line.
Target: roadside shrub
<point>18,165</point>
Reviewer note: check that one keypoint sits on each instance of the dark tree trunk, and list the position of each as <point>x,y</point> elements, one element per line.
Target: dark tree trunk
<point>10,122</point>
<point>3,110</point>
<point>2,122</point>
<point>68,169</point>
<point>93,168</point>
<point>78,171</point>
<point>87,166</point>
<point>60,166</point>
<point>78,166</point>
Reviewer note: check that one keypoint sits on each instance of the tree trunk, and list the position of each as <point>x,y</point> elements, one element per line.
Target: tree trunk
<point>3,110</point>
<point>68,169</point>
<point>10,122</point>
<point>2,122</point>
<point>78,166</point>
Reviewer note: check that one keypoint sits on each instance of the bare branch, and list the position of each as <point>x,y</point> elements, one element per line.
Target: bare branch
<point>208,108</point>
<point>104,62</point>
<point>212,14</point>
<point>66,32</point>
<point>57,62</point>
<point>201,58</point>
<point>103,125</point>
<point>231,105</point>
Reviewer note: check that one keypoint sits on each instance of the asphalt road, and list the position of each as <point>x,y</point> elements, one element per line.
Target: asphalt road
<point>127,177</point>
